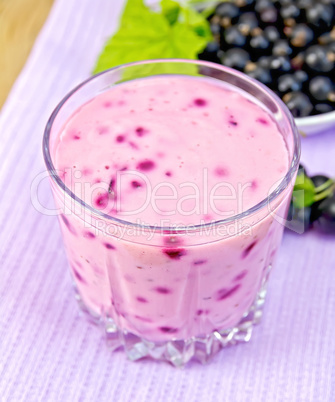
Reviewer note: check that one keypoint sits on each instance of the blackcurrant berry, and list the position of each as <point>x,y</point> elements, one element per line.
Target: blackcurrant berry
<point>327,38</point>
<point>301,35</point>
<point>281,48</point>
<point>247,22</point>
<point>320,15</point>
<point>233,37</point>
<point>262,5</point>
<point>269,15</point>
<point>235,58</point>
<point>259,42</point>
<point>288,83</point>
<point>326,216</point>
<point>259,73</point>
<point>227,10</point>
<point>318,59</point>
<point>290,11</point>
<point>301,76</point>
<point>215,29</point>
<point>271,33</point>
<point>303,4</point>
<point>318,180</point>
<point>264,62</point>
<point>321,88</point>
<point>298,103</point>
<point>280,65</point>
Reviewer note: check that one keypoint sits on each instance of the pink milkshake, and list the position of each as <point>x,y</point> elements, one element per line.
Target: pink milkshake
<point>177,187</point>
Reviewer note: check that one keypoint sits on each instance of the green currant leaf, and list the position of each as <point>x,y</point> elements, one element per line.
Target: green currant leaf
<point>175,32</point>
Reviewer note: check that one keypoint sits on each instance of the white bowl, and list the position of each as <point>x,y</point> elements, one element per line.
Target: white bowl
<point>318,124</point>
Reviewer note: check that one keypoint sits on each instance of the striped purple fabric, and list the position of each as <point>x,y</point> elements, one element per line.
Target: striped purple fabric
<point>48,352</point>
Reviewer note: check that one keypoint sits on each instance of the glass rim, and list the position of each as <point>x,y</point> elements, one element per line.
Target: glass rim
<point>293,162</point>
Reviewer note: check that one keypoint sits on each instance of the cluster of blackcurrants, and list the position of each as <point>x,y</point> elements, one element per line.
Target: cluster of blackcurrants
<point>287,45</point>
<point>320,215</point>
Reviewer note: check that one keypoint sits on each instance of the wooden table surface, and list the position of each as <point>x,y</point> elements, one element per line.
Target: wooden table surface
<point>20,23</point>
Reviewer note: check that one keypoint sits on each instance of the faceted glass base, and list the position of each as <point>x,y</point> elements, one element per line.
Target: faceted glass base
<point>179,352</point>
